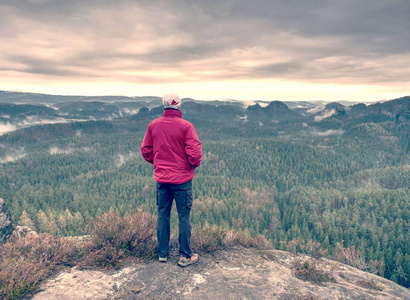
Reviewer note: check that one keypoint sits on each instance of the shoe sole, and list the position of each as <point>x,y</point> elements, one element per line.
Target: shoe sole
<point>162,260</point>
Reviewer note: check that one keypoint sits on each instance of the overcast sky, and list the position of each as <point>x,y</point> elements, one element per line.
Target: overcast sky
<point>355,50</point>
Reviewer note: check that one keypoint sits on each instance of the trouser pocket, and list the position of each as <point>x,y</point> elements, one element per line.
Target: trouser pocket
<point>189,198</point>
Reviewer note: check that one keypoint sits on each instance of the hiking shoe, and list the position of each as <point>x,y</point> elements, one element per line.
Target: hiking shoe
<point>162,259</point>
<point>184,261</point>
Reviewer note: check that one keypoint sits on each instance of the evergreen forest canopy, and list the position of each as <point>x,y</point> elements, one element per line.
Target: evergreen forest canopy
<point>335,178</point>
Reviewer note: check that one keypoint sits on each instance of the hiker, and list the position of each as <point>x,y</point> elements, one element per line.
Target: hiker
<point>172,146</point>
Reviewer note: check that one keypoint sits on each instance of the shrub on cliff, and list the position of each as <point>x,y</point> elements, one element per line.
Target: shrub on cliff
<point>26,261</point>
<point>114,237</point>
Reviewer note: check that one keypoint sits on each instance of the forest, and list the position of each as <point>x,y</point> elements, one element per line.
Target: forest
<point>330,184</point>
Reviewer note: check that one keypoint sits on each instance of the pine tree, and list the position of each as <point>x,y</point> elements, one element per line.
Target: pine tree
<point>42,221</point>
<point>26,221</point>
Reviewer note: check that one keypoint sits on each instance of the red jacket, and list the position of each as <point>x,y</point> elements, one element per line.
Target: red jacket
<point>172,146</point>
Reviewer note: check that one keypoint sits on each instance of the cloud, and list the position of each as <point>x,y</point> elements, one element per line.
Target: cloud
<point>6,127</point>
<point>325,114</point>
<point>31,121</point>
<point>129,111</point>
<point>35,120</point>
<point>57,150</point>
<point>120,159</point>
<point>328,132</point>
<point>162,42</point>
<point>247,103</point>
<point>12,155</point>
<point>67,150</point>
<point>316,109</point>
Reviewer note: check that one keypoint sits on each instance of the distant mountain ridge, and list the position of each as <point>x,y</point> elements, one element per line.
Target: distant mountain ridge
<point>20,97</point>
<point>19,110</point>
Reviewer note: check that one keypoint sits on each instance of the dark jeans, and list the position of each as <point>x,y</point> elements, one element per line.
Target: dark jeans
<point>166,193</point>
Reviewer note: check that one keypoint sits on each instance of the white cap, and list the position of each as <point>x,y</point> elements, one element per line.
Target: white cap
<point>171,101</point>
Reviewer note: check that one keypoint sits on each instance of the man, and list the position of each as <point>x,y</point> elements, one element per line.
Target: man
<point>172,146</point>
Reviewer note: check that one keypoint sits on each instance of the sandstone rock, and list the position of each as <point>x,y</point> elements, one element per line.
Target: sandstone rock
<point>6,226</point>
<point>21,232</point>
<point>231,274</point>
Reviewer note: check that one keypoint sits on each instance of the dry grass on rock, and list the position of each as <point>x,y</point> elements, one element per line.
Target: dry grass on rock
<point>25,262</point>
<point>114,238</point>
<point>214,238</point>
<point>308,270</point>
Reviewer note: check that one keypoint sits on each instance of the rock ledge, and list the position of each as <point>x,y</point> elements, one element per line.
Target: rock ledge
<point>231,274</point>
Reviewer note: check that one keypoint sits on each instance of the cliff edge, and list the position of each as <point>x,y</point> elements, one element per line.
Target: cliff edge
<point>232,274</point>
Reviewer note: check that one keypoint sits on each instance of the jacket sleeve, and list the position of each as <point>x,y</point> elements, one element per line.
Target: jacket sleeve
<point>193,147</point>
<point>147,149</point>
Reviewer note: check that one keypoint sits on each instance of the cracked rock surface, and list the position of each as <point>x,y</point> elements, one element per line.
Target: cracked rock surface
<point>231,274</point>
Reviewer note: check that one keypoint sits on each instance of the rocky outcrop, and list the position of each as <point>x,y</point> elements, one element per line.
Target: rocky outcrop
<point>21,232</point>
<point>232,274</point>
<point>275,109</point>
<point>335,105</point>
<point>397,110</point>
<point>6,226</point>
